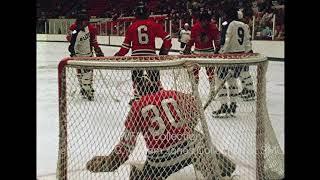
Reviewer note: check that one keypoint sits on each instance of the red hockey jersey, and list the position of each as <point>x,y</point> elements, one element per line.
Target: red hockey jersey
<point>140,37</point>
<point>203,37</point>
<point>164,118</point>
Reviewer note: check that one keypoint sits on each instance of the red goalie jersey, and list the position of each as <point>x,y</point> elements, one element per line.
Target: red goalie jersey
<point>141,37</point>
<point>165,118</point>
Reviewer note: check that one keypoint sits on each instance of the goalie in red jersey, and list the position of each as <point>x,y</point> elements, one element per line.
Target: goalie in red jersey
<point>140,37</point>
<point>167,121</point>
<point>206,38</point>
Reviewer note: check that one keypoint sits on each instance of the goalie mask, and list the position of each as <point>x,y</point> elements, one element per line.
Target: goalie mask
<point>147,81</point>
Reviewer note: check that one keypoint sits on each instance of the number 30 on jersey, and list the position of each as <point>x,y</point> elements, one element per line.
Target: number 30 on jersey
<point>157,119</point>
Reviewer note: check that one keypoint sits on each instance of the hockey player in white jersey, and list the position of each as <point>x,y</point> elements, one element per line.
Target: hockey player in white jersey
<point>82,38</point>
<point>184,36</point>
<point>235,38</point>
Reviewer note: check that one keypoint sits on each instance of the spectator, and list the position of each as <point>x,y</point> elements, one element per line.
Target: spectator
<point>185,10</point>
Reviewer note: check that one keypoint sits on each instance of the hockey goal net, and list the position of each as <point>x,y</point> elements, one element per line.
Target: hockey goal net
<point>241,146</point>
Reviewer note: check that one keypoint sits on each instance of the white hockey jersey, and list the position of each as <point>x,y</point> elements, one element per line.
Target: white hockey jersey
<point>185,35</point>
<point>82,45</point>
<point>237,38</point>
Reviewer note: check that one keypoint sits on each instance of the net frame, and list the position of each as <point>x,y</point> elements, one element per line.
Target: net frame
<point>129,63</point>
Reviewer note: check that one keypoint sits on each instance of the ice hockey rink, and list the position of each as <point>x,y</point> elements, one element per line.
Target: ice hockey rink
<point>48,56</point>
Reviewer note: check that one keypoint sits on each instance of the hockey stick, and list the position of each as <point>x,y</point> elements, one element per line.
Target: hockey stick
<point>105,83</point>
<point>208,142</point>
<point>214,93</point>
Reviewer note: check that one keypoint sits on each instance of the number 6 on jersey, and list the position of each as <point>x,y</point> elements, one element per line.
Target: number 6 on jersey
<point>143,36</point>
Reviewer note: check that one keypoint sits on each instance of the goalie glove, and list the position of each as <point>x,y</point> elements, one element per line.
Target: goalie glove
<point>98,52</point>
<point>106,163</point>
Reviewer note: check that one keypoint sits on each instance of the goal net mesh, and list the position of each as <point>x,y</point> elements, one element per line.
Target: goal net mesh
<point>188,120</point>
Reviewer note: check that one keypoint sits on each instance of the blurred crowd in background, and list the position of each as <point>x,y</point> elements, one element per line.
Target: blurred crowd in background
<point>268,14</point>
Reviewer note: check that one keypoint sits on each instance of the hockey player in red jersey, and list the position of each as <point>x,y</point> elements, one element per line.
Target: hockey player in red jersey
<point>140,37</point>
<point>166,119</point>
<point>82,38</point>
<point>206,38</point>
